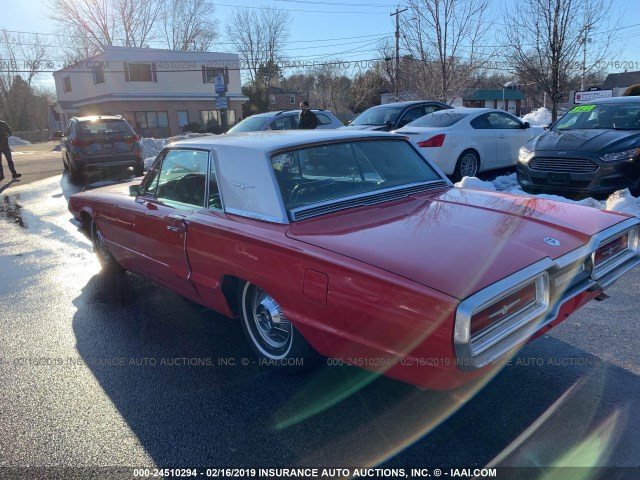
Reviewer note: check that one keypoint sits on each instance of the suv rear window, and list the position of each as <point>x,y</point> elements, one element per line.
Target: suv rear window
<point>323,119</point>
<point>103,127</point>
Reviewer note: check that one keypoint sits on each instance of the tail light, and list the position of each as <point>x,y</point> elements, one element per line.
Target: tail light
<point>76,142</point>
<point>435,141</point>
<point>132,138</point>
<point>615,251</point>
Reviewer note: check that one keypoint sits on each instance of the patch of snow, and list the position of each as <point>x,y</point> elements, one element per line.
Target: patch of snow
<point>14,141</point>
<point>621,201</point>
<point>539,117</point>
<point>151,147</point>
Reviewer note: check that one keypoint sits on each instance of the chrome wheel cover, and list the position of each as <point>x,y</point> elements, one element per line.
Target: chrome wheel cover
<point>269,321</point>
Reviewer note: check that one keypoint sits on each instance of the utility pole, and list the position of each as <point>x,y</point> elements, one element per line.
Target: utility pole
<point>397,15</point>
<point>584,56</point>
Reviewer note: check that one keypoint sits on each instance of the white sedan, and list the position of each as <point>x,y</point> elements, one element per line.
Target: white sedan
<point>465,141</point>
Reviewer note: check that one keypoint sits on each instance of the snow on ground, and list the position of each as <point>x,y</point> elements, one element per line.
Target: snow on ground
<point>14,141</point>
<point>620,201</point>
<point>151,146</point>
<point>539,117</point>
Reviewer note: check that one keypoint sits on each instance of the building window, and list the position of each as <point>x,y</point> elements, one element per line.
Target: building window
<point>231,117</point>
<point>209,74</point>
<point>210,117</point>
<point>292,99</point>
<point>183,118</point>
<point>272,99</point>
<point>149,119</point>
<point>98,74</point>
<point>140,72</point>
<point>66,83</point>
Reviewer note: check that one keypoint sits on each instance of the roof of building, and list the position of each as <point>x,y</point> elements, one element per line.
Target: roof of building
<point>621,80</point>
<point>498,94</point>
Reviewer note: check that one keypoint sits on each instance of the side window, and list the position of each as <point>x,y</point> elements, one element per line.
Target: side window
<point>150,184</point>
<point>323,119</point>
<point>481,122</point>
<point>182,177</point>
<point>431,108</point>
<point>281,123</point>
<point>411,115</point>
<point>503,121</point>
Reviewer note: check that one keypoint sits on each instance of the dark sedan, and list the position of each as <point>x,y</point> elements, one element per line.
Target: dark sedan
<point>592,150</point>
<point>391,116</point>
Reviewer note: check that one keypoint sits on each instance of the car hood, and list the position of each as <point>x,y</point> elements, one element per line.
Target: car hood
<point>587,140</point>
<point>457,241</point>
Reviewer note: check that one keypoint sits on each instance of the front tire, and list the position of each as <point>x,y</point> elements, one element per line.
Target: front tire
<point>105,257</point>
<point>468,165</point>
<point>270,334</point>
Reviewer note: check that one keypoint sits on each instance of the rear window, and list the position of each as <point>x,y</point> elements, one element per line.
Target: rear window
<point>337,170</point>
<point>323,119</point>
<point>103,127</point>
<point>442,118</point>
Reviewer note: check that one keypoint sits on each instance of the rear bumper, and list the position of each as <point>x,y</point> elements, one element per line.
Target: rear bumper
<point>107,161</point>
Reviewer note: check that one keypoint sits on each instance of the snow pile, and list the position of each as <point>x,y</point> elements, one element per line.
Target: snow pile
<point>620,201</point>
<point>15,141</point>
<point>151,147</point>
<point>539,117</point>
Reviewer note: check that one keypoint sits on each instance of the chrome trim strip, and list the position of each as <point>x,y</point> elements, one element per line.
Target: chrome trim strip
<point>398,189</point>
<point>471,355</point>
<point>257,216</point>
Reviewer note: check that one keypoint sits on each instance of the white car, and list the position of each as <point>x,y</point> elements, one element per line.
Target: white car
<point>465,141</point>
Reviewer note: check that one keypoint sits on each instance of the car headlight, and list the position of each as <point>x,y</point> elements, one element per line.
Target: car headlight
<point>627,154</point>
<point>524,155</point>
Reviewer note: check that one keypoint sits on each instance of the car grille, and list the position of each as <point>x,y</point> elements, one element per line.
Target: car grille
<point>572,183</point>
<point>576,165</point>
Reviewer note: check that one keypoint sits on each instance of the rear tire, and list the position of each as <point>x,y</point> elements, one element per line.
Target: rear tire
<point>468,165</point>
<point>270,334</point>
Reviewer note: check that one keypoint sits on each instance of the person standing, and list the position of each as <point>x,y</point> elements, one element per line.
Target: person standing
<point>5,133</point>
<point>308,119</point>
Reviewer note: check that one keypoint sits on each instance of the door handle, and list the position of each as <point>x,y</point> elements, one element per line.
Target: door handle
<point>173,228</point>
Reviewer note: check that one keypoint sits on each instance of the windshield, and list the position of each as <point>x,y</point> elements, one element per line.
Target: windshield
<point>250,124</point>
<point>378,116</point>
<point>619,116</point>
<point>443,118</point>
<point>337,170</point>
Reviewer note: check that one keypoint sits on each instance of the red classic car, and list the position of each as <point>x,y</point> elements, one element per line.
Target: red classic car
<point>352,245</point>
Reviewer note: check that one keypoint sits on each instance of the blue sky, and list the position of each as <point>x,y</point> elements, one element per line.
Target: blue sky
<point>335,29</point>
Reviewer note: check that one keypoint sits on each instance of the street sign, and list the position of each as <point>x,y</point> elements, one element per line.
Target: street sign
<point>584,97</point>
<point>219,83</point>
<point>222,103</point>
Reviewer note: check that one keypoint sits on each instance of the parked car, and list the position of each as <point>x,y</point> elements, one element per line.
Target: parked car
<point>283,120</point>
<point>465,141</point>
<point>394,115</point>
<point>100,142</point>
<point>592,150</point>
<point>353,245</point>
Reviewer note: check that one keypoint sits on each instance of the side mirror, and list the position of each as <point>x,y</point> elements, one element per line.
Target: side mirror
<point>135,190</point>
<point>546,126</point>
<point>57,134</point>
<point>526,125</point>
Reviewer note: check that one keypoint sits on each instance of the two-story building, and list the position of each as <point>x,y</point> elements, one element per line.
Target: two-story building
<point>158,91</point>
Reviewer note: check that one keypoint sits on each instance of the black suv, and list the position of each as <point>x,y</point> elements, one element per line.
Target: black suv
<point>100,142</point>
<point>391,116</point>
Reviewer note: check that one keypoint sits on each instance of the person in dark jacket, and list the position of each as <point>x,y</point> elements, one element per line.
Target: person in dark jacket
<point>308,119</point>
<point>5,133</point>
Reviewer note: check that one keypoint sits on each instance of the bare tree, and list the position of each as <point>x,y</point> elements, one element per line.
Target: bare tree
<point>137,19</point>
<point>545,42</point>
<point>258,37</point>
<point>23,56</point>
<point>331,88</point>
<point>442,36</point>
<point>188,24</point>
<point>366,89</point>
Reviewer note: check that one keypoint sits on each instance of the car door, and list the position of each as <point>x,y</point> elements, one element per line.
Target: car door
<point>483,139</point>
<point>175,189</point>
<point>510,135</point>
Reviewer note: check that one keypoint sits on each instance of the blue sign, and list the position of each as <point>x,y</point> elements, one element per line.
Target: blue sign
<point>222,103</point>
<point>219,83</point>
